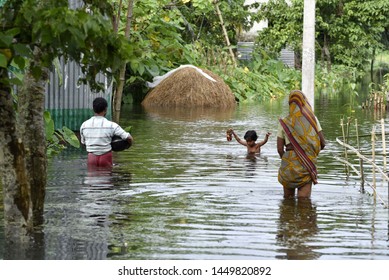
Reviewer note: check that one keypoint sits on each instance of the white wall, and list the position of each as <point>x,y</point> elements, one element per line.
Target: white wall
<point>258,25</point>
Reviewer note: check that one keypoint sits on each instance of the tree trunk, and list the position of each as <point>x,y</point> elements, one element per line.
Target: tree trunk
<point>13,171</point>
<point>22,163</point>
<point>372,66</point>
<point>327,55</point>
<point>31,100</point>
<point>297,59</point>
<point>116,19</point>
<point>219,13</point>
<point>117,98</point>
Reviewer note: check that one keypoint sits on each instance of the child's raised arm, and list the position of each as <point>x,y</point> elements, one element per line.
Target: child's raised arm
<point>264,140</point>
<point>231,132</point>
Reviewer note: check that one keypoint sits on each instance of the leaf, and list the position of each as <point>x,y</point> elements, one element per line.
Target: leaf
<point>49,126</point>
<point>16,81</point>
<point>141,69</point>
<point>153,70</point>
<point>22,49</point>
<point>58,70</point>
<point>131,80</point>
<point>5,40</point>
<point>13,32</point>
<point>70,137</point>
<point>134,65</point>
<point>3,61</point>
<point>20,62</point>
<point>36,72</point>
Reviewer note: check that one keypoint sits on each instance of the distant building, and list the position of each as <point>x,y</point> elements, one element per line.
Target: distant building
<point>252,33</point>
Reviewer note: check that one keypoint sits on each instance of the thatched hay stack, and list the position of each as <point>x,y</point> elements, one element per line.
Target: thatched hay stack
<point>186,87</point>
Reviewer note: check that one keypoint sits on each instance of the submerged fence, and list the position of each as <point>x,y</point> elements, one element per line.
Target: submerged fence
<point>369,160</point>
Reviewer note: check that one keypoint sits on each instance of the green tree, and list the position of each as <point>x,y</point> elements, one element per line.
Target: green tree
<point>156,45</point>
<point>166,34</point>
<point>347,32</point>
<point>33,33</point>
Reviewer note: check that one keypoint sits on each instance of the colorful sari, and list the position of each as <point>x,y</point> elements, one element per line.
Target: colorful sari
<point>298,166</point>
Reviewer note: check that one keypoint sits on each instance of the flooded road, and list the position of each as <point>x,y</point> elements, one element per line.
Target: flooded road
<point>183,192</point>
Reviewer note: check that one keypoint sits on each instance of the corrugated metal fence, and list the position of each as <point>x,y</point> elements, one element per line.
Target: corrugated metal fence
<point>69,102</point>
<point>245,50</point>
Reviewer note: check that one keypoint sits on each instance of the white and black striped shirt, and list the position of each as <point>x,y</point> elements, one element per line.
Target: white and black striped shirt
<point>97,132</point>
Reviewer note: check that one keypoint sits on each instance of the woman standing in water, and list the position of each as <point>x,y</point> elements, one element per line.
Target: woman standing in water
<point>299,141</point>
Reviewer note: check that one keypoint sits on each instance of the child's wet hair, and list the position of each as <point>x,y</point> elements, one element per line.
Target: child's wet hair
<point>251,135</point>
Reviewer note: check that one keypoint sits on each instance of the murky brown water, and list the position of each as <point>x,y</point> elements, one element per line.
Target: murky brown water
<point>184,192</point>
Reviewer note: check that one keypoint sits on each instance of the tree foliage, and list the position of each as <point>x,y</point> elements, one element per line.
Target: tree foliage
<point>167,34</point>
<point>57,139</point>
<point>83,35</point>
<point>347,31</point>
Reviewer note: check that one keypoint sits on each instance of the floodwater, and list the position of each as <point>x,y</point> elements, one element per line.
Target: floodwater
<point>183,192</point>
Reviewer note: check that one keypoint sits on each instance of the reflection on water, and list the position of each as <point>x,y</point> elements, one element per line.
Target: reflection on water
<point>251,162</point>
<point>190,113</point>
<point>183,192</point>
<point>99,178</point>
<point>297,224</point>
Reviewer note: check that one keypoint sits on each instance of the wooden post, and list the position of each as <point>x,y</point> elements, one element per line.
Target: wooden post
<point>360,159</point>
<point>225,32</point>
<point>373,158</point>
<point>383,143</point>
<point>345,149</point>
<point>348,129</point>
<point>375,100</point>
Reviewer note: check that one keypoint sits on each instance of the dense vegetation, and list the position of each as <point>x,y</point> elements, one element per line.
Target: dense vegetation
<point>171,33</point>
<point>349,35</point>
<point>165,34</point>
<point>151,38</point>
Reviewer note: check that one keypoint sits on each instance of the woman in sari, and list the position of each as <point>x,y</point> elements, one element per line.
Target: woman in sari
<point>299,141</point>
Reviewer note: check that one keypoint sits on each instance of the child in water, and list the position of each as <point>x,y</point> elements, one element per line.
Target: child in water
<point>250,137</point>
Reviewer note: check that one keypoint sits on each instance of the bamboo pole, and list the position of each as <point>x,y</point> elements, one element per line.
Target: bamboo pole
<point>383,143</point>
<point>118,94</point>
<point>373,156</point>
<point>357,172</point>
<point>348,129</point>
<point>385,176</point>
<point>364,158</point>
<point>216,3</point>
<point>345,149</point>
<point>360,159</point>
<point>375,100</point>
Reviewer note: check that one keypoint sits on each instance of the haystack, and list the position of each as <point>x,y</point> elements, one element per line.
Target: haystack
<point>188,87</point>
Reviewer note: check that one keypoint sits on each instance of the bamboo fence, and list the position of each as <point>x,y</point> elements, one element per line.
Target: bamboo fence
<point>370,158</point>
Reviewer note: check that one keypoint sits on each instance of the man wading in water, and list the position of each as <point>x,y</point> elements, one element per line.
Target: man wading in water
<point>96,134</point>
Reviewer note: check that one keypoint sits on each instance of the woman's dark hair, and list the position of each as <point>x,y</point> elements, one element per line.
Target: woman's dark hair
<point>251,135</point>
<point>99,105</point>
